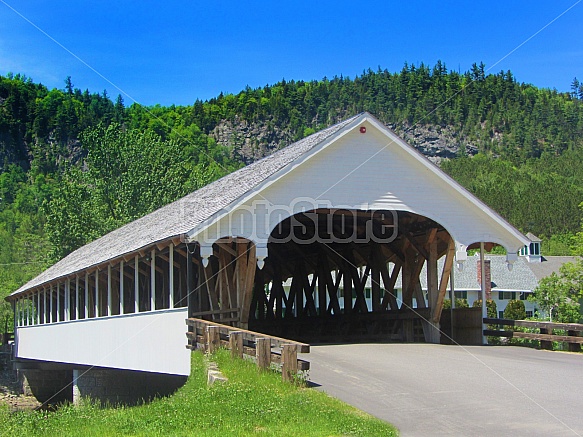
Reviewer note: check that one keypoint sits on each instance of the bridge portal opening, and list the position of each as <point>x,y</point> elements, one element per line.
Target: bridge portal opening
<point>348,275</point>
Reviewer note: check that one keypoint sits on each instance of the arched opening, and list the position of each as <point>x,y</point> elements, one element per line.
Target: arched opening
<point>353,274</point>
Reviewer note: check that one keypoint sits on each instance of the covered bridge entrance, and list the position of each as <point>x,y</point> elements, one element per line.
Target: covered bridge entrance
<point>331,275</point>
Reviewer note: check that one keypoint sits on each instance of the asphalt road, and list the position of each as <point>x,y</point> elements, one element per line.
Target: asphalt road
<point>436,390</point>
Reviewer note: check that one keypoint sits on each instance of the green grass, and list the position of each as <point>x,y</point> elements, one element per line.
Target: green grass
<point>250,403</point>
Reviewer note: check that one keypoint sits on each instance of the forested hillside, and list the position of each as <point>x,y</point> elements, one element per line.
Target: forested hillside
<point>77,164</point>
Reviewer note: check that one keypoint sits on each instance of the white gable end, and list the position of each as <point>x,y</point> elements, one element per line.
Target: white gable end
<point>374,170</point>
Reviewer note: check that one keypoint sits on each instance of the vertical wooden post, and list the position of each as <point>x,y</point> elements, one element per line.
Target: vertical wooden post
<point>432,285</point>
<point>86,295</point>
<point>347,288</point>
<point>58,317</point>
<point>77,309</point>
<point>109,311</point>
<point>51,305</point>
<point>249,282</point>
<point>322,297</point>
<point>236,344</point>
<point>98,311</point>
<point>189,277</point>
<point>545,344</point>
<point>171,275</point>
<point>67,304</point>
<point>45,312</point>
<point>406,282</point>
<point>574,347</point>
<point>27,322</point>
<point>122,307</point>
<point>213,339</point>
<point>38,307</point>
<point>289,362</point>
<point>483,294</point>
<point>375,283</point>
<point>136,285</point>
<point>153,280</point>
<point>263,352</point>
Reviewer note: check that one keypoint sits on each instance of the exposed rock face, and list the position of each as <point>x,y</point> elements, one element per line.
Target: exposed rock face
<point>250,141</point>
<point>436,142</point>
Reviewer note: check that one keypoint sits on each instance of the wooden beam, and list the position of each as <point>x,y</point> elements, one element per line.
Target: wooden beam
<point>432,285</point>
<point>153,280</point>
<point>359,286</point>
<point>226,247</point>
<point>376,265</point>
<point>308,290</point>
<point>389,298</point>
<point>67,303</point>
<point>447,266</point>
<point>347,288</point>
<point>167,259</point>
<point>330,285</point>
<point>247,293</point>
<point>96,302</point>
<point>415,244</point>
<point>210,283</point>
<point>86,295</point>
<point>109,303</point>
<point>239,271</point>
<point>171,265</point>
<point>136,284</point>
<point>58,303</point>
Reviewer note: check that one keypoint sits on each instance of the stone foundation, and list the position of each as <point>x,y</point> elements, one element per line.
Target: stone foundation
<point>114,387</point>
<point>47,386</point>
<point>103,385</point>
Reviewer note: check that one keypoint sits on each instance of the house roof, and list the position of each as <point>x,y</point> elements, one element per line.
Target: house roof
<point>549,265</point>
<point>520,277</point>
<point>533,238</point>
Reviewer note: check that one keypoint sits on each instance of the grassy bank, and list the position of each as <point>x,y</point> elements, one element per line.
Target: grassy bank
<point>251,403</point>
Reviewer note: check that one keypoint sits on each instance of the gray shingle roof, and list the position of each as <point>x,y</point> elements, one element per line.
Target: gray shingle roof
<point>182,215</point>
<point>533,238</point>
<point>550,264</point>
<point>520,277</point>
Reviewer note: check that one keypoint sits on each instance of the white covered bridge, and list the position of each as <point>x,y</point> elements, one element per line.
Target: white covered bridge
<point>283,246</point>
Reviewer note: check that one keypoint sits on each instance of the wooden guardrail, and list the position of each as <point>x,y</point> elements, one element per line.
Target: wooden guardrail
<point>545,336</point>
<point>222,316</point>
<point>209,336</point>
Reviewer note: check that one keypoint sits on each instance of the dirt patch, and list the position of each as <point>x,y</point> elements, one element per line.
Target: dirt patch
<point>11,393</point>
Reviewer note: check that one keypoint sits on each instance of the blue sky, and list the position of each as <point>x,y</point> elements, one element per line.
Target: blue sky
<point>174,52</point>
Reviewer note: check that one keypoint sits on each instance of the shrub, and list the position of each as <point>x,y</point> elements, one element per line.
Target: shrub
<point>515,310</point>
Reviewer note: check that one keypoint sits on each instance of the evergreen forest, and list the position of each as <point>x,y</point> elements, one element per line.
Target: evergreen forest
<point>77,164</point>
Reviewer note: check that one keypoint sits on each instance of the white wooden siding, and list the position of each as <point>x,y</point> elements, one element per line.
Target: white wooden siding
<point>150,341</point>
